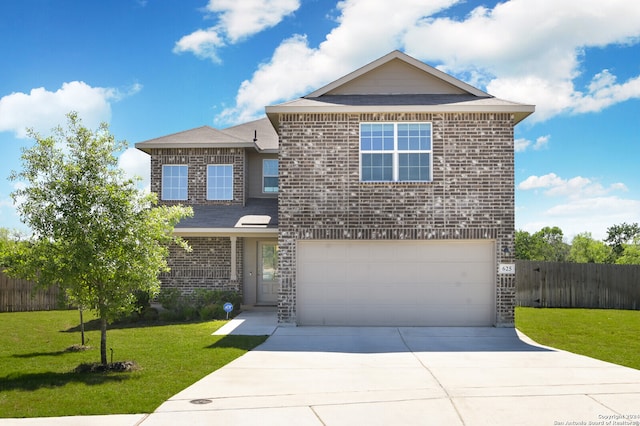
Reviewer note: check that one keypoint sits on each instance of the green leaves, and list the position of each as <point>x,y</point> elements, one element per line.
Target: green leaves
<point>622,246</point>
<point>96,235</point>
<point>545,245</point>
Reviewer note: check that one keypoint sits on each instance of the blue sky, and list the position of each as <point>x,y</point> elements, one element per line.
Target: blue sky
<point>154,67</point>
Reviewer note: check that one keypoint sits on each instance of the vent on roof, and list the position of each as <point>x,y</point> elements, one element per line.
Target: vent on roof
<point>253,221</point>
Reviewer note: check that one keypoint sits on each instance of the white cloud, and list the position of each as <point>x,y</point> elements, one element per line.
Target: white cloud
<point>541,142</point>
<point>573,188</point>
<point>136,163</point>
<point>241,19</point>
<point>203,44</point>
<point>42,110</point>
<point>589,214</point>
<point>522,144</point>
<point>365,31</point>
<point>237,20</point>
<point>530,51</point>
<point>578,204</point>
<point>546,181</point>
<point>8,209</point>
<point>604,92</point>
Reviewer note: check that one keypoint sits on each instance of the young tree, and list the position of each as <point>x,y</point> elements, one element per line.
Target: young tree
<point>584,249</point>
<point>96,235</point>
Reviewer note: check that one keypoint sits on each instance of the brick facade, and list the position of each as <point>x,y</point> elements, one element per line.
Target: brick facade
<point>471,195</point>
<point>197,159</point>
<point>207,266</point>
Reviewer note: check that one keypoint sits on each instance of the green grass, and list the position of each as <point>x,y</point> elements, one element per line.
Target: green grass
<point>37,378</point>
<point>605,334</point>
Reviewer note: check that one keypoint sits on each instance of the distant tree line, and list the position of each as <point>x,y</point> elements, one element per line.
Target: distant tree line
<point>622,246</point>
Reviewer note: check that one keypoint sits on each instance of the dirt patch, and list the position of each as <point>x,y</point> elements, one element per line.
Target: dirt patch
<point>119,367</point>
<point>78,348</point>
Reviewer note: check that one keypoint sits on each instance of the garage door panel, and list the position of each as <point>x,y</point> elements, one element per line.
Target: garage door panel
<point>396,283</point>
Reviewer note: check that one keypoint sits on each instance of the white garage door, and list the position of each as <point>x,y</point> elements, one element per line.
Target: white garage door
<point>396,283</point>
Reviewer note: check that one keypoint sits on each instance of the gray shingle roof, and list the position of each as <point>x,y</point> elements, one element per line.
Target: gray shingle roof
<point>257,212</point>
<point>200,137</point>
<point>262,130</point>
<point>240,136</point>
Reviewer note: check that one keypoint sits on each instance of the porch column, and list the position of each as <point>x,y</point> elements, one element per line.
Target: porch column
<point>234,274</point>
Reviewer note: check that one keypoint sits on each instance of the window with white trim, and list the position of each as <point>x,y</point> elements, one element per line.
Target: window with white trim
<point>220,182</point>
<point>269,175</point>
<point>174,182</point>
<point>395,152</point>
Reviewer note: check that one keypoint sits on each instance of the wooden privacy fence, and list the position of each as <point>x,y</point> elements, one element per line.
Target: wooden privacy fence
<point>17,295</point>
<point>577,285</point>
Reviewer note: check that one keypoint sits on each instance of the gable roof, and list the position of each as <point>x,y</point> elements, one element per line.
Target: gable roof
<point>259,131</point>
<point>397,73</point>
<point>398,83</point>
<point>258,134</point>
<point>200,137</point>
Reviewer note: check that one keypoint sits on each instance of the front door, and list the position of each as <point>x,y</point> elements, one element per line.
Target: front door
<point>267,272</point>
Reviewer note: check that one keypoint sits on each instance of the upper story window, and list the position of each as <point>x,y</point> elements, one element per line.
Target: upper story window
<point>174,182</point>
<point>395,152</point>
<point>220,182</point>
<point>270,176</point>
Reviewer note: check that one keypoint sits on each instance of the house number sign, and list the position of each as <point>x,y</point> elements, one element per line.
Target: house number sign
<point>507,268</point>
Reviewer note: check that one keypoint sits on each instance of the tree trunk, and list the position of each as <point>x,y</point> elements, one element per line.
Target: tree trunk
<point>103,340</point>
<point>81,326</point>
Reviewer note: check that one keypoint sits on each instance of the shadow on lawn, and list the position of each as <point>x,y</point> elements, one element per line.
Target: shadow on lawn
<point>34,381</point>
<point>69,350</point>
<point>94,325</point>
<point>37,354</point>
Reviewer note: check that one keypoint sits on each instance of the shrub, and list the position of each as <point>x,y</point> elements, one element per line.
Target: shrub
<point>212,311</point>
<point>202,304</point>
<point>143,301</point>
<point>170,298</point>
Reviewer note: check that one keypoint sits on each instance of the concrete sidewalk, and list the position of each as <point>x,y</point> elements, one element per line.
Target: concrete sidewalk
<point>413,376</point>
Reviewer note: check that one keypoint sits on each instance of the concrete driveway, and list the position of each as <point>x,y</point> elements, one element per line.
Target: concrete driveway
<point>407,376</point>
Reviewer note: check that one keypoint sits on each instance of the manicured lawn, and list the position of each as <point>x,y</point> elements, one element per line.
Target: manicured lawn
<point>605,334</point>
<point>37,378</point>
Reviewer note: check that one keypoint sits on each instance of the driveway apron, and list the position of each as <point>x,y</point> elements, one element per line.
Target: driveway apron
<point>408,376</point>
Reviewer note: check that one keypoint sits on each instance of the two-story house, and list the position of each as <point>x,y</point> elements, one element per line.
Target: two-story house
<point>387,197</point>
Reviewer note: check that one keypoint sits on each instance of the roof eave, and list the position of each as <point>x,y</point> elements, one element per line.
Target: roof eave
<point>147,147</point>
<point>267,150</point>
<point>520,111</point>
<point>226,232</point>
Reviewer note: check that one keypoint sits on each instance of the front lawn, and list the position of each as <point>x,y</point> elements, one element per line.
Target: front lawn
<point>606,334</point>
<point>36,371</point>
